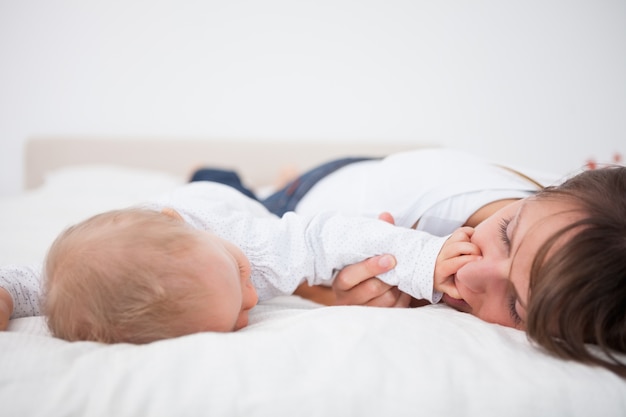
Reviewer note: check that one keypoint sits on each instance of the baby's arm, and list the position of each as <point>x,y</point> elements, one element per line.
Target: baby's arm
<point>20,292</point>
<point>287,251</point>
<point>343,240</point>
<point>295,248</point>
<point>284,252</point>
<point>455,252</point>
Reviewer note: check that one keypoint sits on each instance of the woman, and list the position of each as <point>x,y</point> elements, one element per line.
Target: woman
<point>553,259</point>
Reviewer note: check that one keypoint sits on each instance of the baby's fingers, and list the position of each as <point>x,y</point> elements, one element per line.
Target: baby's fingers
<point>462,234</point>
<point>450,266</point>
<point>446,271</point>
<point>454,249</point>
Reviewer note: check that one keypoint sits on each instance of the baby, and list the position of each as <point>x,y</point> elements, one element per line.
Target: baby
<point>200,259</point>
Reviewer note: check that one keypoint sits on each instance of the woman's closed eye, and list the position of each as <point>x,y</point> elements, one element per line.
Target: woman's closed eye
<point>504,226</point>
<point>512,301</point>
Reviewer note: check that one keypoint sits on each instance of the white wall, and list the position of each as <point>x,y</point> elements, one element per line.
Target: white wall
<point>539,83</point>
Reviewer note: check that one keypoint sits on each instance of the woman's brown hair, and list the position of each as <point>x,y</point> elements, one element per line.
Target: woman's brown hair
<point>577,302</point>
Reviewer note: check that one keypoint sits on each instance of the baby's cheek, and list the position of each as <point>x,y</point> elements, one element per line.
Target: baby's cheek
<point>242,320</point>
<point>252,298</point>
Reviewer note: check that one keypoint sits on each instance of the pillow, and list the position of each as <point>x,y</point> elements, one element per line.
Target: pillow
<point>109,178</point>
<point>30,221</point>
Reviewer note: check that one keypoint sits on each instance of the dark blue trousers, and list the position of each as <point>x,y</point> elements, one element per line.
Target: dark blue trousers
<point>285,199</point>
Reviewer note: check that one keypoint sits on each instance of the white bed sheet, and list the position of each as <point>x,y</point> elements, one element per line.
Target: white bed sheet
<point>295,358</point>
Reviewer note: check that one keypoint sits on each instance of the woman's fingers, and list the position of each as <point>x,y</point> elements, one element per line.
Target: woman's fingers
<point>357,284</point>
<point>353,275</point>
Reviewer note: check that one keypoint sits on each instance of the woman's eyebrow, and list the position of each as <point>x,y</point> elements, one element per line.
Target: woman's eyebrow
<point>514,229</point>
<point>515,224</point>
<point>518,298</point>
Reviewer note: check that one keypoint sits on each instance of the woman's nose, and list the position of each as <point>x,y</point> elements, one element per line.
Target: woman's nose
<point>480,275</point>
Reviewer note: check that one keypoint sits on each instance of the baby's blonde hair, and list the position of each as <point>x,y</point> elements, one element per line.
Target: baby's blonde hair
<point>121,276</point>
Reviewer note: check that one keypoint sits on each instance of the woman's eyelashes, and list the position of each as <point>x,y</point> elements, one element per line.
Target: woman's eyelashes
<point>504,225</point>
<point>513,311</point>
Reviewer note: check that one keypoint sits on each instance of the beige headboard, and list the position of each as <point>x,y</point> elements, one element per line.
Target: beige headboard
<point>258,162</point>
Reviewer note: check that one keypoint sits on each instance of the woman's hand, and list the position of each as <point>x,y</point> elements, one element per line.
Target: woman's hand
<point>357,284</point>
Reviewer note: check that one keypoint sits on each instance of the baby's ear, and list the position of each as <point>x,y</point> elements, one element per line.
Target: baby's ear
<point>172,213</point>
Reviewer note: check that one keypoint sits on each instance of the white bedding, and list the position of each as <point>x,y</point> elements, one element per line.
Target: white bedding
<point>295,358</point>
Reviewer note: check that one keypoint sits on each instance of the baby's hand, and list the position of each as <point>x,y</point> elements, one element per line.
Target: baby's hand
<point>455,252</point>
<point>6,308</point>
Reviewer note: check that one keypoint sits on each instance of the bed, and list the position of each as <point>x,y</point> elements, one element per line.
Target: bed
<point>296,358</point>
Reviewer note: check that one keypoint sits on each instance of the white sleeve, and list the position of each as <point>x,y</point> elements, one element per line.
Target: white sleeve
<point>284,252</point>
<point>332,241</point>
<point>24,285</point>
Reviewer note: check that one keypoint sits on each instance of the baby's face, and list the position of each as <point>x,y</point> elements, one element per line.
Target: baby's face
<point>223,271</point>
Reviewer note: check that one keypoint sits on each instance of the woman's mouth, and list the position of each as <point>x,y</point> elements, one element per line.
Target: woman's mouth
<point>458,304</point>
